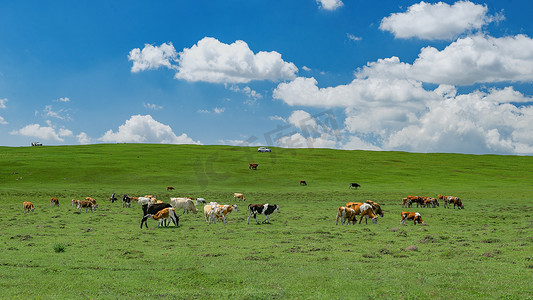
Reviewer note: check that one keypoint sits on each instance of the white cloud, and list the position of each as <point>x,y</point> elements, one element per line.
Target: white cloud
<point>469,60</point>
<point>212,61</point>
<point>360,92</point>
<point>305,68</point>
<point>353,37</point>
<point>477,59</point>
<point>61,114</point>
<point>152,106</point>
<point>277,118</point>
<point>83,138</point>
<point>144,129</point>
<point>392,114</point>
<point>478,122</point>
<point>329,4</point>
<point>439,21</point>
<point>356,143</point>
<point>43,132</point>
<point>245,90</point>
<point>218,110</point>
<point>63,99</point>
<point>152,57</point>
<point>297,140</point>
<point>302,120</point>
<point>3,105</point>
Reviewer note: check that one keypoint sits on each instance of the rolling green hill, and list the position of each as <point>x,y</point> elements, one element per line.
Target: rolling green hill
<point>224,168</point>
<point>481,252</point>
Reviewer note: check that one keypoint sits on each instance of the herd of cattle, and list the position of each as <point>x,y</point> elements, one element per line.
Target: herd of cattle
<point>165,213</point>
<point>370,209</point>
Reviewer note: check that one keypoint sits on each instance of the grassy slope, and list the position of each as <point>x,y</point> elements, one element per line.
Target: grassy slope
<point>479,252</point>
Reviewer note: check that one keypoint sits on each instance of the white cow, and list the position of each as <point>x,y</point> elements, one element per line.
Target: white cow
<point>186,203</point>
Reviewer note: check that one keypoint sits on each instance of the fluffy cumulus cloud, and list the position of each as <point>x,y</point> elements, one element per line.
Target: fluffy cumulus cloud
<point>152,57</point>
<point>469,60</point>
<point>360,92</point>
<point>48,133</point>
<point>83,138</point>
<point>212,61</point>
<point>439,21</point>
<point>307,131</point>
<point>411,118</point>
<point>3,105</point>
<point>144,129</point>
<point>329,4</point>
<point>478,122</point>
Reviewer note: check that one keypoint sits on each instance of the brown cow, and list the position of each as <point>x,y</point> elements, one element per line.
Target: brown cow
<point>54,201</point>
<point>375,207</point>
<point>407,215</point>
<point>364,209</point>
<point>170,188</point>
<point>87,205</point>
<point>346,214</point>
<point>28,207</point>
<point>238,196</point>
<point>455,200</point>
<point>253,166</point>
<point>302,182</point>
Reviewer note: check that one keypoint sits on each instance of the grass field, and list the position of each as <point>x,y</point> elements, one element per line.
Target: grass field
<point>484,251</point>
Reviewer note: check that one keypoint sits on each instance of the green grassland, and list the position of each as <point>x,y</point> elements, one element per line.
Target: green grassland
<point>484,251</point>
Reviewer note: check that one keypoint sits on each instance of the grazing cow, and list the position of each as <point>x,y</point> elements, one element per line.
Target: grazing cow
<point>302,182</point>
<point>54,201</point>
<point>200,200</point>
<point>126,201</point>
<point>222,211</point>
<point>262,209</point>
<point>152,210</point>
<point>166,214</point>
<point>354,185</point>
<point>170,188</point>
<point>375,207</point>
<point>87,205</point>
<point>345,214</point>
<point>90,200</point>
<point>406,202</point>
<point>208,209</point>
<point>75,202</point>
<point>253,166</point>
<point>238,196</point>
<point>407,215</point>
<point>113,198</point>
<point>455,200</point>
<point>415,199</point>
<point>144,200</point>
<point>431,202</point>
<point>28,207</point>
<point>364,209</point>
<point>186,203</point>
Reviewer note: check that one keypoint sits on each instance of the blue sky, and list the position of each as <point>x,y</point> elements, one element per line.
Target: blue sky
<point>451,76</point>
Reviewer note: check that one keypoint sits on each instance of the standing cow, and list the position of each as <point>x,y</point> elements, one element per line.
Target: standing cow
<point>262,209</point>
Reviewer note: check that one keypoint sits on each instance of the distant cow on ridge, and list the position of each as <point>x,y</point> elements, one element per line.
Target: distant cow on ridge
<point>354,185</point>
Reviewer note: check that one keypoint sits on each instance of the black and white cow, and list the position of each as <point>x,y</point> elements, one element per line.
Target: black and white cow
<point>126,201</point>
<point>152,210</point>
<point>262,209</point>
<point>113,198</point>
<point>354,185</point>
